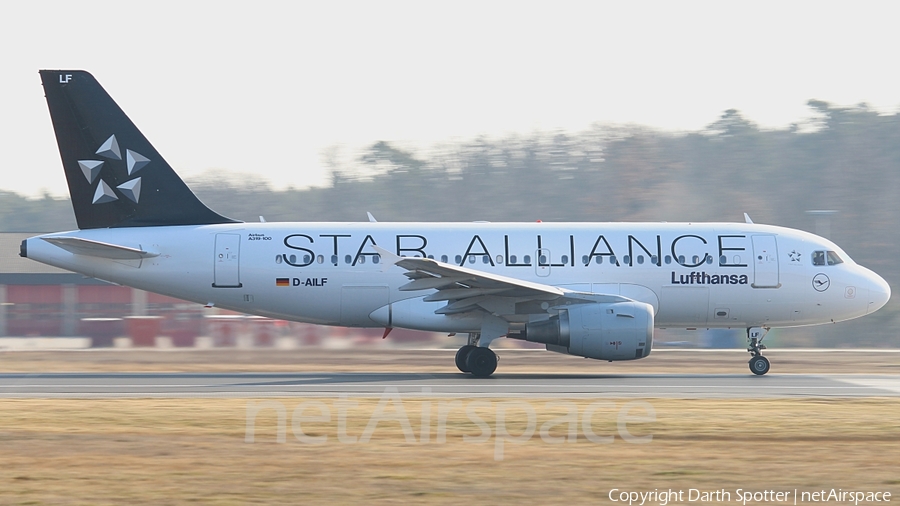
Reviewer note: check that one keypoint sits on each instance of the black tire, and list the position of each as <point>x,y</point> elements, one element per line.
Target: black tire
<point>759,365</point>
<point>482,362</point>
<point>461,357</point>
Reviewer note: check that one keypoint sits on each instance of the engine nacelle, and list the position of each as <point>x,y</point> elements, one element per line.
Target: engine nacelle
<point>613,331</point>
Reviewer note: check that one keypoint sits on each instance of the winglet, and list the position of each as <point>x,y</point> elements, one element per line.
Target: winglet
<point>389,259</point>
<point>747,219</point>
<point>371,218</point>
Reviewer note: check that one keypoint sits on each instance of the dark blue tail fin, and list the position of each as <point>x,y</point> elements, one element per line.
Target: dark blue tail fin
<point>116,178</point>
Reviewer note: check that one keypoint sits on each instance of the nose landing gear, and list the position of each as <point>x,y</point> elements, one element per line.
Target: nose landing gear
<point>759,364</point>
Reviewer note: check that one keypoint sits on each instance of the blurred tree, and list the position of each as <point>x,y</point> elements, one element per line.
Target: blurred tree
<point>843,158</point>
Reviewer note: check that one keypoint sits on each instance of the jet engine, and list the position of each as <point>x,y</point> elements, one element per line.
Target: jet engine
<point>604,331</point>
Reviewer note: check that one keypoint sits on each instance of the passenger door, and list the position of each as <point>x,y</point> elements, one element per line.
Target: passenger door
<point>227,270</point>
<point>765,262</point>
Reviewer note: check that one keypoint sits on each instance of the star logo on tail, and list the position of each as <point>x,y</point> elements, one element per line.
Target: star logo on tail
<point>134,162</point>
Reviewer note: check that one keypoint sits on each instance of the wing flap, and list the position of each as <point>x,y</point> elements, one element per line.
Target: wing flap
<point>425,283</point>
<point>471,277</point>
<point>468,290</point>
<point>461,293</point>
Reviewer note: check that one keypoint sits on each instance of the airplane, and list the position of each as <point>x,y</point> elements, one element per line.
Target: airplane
<point>595,290</point>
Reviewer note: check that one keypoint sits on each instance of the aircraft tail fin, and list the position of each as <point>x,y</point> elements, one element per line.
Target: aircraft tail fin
<point>116,178</point>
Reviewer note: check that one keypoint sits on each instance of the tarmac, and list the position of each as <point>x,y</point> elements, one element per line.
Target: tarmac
<point>687,386</point>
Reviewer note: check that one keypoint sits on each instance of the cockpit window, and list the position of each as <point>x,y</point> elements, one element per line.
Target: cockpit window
<point>818,258</point>
<point>826,258</point>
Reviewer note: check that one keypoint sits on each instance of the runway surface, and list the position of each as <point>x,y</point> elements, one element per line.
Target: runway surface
<point>94,385</point>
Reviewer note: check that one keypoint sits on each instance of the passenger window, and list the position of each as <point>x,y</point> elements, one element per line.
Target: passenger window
<point>696,259</point>
<point>668,259</point>
<point>598,260</point>
<point>444,258</point>
<point>818,258</point>
<point>499,259</point>
<point>612,259</point>
<point>565,259</point>
<point>277,259</point>
<point>512,259</point>
<point>681,259</point>
<point>293,259</point>
<point>431,257</point>
<point>485,259</point>
<point>640,259</point>
<point>362,260</point>
<point>585,260</point>
<point>459,259</point>
<point>654,260</point>
<point>471,260</point>
<point>722,260</point>
<point>348,259</point>
<point>306,259</point>
<point>626,259</point>
<point>376,259</point>
<point>527,259</point>
<point>543,259</point>
<point>834,258</point>
<point>334,259</point>
<point>709,259</point>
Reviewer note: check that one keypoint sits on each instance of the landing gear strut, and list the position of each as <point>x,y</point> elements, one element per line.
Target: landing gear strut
<point>478,360</point>
<point>759,364</point>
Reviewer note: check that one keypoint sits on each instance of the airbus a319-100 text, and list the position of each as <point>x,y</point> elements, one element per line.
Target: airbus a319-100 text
<point>593,290</point>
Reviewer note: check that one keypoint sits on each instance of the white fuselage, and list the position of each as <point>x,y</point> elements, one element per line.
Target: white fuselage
<point>694,275</point>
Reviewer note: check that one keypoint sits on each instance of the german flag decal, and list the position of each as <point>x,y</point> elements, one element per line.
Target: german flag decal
<point>282,281</point>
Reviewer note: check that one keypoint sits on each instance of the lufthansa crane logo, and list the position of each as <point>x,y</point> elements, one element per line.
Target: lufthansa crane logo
<point>821,282</point>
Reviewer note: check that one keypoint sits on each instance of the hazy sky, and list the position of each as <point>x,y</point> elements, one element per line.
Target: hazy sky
<point>266,87</point>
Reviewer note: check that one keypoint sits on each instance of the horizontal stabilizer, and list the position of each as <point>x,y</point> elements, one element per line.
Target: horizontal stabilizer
<point>80,246</point>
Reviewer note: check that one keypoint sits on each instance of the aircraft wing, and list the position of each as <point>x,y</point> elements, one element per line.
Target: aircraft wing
<point>469,289</point>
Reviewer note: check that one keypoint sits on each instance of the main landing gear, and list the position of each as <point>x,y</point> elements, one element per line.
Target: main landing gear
<point>759,364</point>
<point>480,361</point>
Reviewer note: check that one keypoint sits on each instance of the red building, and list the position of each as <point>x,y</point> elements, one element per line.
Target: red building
<point>37,300</point>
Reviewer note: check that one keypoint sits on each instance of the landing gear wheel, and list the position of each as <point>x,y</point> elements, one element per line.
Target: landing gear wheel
<point>481,362</point>
<point>461,357</point>
<point>759,365</point>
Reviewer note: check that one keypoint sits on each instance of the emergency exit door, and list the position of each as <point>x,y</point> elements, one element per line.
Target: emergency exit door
<point>765,262</point>
<point>227,271</point>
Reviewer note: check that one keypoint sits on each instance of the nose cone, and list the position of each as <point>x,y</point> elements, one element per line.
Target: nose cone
<point>879,292</point>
